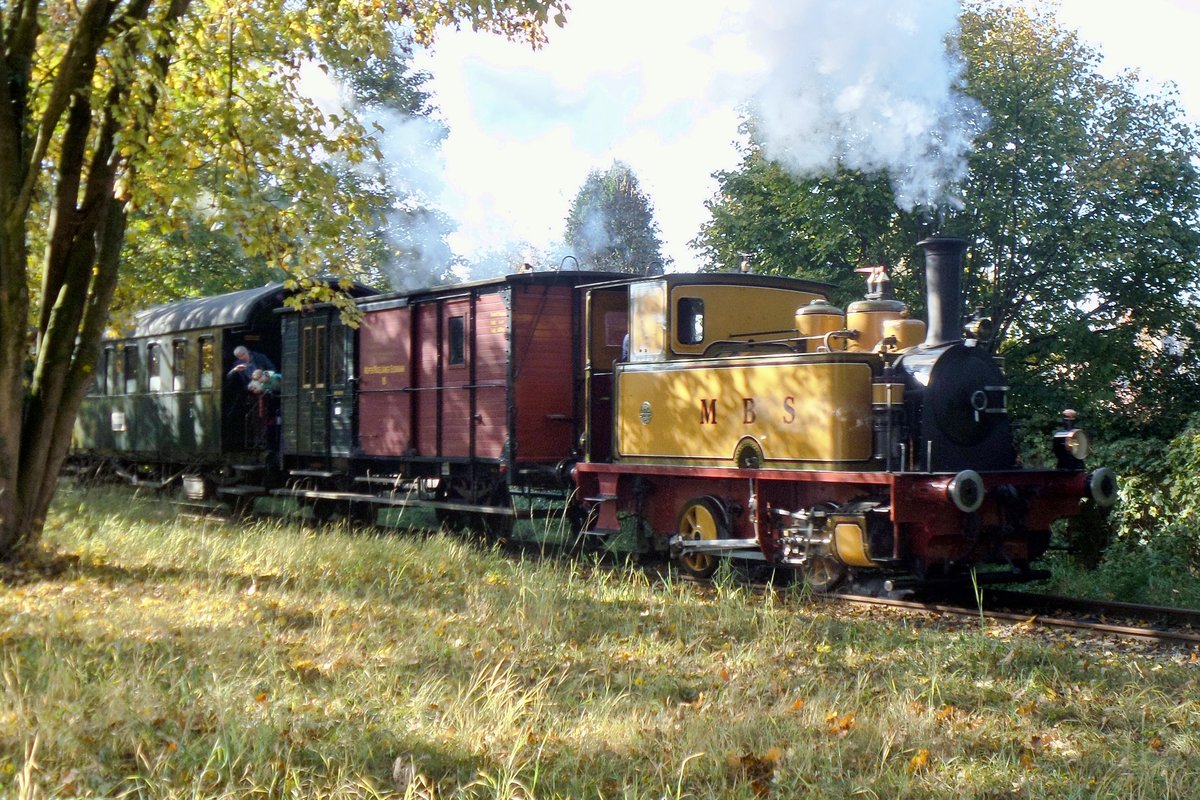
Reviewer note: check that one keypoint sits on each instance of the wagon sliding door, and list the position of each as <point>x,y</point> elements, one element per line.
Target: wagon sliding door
<point>385,383</point>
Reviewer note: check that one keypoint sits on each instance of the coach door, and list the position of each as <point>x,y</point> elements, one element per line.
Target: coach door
<point>323,406</point>
<point>312,410</point>
<point>608,326</point>
<point>457,380</point>
<point>341,387</point>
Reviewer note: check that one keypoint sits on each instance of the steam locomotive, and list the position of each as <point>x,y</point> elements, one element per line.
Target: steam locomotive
<point>720,416</point>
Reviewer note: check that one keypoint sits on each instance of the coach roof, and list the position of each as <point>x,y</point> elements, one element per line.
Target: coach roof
<point>235,308</point>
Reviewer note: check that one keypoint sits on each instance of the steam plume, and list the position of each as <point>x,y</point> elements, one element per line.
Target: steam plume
<point>869,84</point>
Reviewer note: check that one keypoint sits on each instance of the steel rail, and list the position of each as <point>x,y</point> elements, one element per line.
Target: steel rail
<point>1179,616</point>
<point>1124,631</point>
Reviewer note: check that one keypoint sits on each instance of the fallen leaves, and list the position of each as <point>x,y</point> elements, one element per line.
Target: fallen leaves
<point>839,726</point>
<point>758,770</point>
<point>306,670</point>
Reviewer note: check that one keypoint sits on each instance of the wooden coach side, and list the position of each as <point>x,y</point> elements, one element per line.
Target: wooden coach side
<point>385,375</point>
<point>432,377</point>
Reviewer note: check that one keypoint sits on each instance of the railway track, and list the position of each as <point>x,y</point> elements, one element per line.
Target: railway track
<point>1161,624</point>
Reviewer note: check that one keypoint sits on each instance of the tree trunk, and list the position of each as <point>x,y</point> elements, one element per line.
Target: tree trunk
<point>14,320</point>
<point>39,401</point>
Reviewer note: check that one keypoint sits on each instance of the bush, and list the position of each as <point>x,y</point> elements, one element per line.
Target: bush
<point>1147,548</point>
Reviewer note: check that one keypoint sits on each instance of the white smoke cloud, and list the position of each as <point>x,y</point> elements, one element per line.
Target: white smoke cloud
<point>870,85</point>
<point>413,167</point>
<point>659,85</point>
<point>416,171</point>
<point>593,235</point>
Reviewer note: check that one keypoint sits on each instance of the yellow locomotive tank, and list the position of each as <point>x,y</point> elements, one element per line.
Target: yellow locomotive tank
<point>787,410</point>
<point>880,321</point>
<point>722,370</point>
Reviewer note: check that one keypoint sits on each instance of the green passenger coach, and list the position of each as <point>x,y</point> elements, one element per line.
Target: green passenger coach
<point>163,393</point>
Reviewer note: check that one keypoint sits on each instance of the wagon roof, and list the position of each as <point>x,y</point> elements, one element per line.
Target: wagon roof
<point>234,308</point>
<point>564,277</point>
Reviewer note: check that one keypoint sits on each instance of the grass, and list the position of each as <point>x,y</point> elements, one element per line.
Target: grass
<point>182,659</point>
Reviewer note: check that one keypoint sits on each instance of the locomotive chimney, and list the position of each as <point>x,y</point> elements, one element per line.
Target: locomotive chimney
<point>943,289</point>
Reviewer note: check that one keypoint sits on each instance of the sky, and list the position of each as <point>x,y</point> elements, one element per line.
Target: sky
<point>657,85</point>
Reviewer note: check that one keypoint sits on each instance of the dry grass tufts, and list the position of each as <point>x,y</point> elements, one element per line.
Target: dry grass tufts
<point>163,659</point>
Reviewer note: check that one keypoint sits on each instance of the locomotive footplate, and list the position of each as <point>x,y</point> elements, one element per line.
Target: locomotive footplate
<point>397,502</point>
<point>680,546</point>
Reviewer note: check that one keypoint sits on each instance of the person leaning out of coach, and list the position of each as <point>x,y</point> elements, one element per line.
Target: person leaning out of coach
<point>246,361</point>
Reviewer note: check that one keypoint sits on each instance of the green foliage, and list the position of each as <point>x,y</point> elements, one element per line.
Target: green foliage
<point>611,224</point>
<point>1160,497</point>
<point>189,262</point>
<point>1082,205</point>
<point>1147,547</point>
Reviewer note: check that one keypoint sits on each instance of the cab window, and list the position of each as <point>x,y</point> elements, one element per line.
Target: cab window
<point>690,316</point>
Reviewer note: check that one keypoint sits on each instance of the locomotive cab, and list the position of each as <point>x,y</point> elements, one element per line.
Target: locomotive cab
<point>688,316</point>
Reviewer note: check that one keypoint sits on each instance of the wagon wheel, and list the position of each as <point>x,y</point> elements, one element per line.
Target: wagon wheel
<point>494,527</point>
<point>824,573</point>
<point>497,527</point>
<point>458,490</point>
<point>702,518</point>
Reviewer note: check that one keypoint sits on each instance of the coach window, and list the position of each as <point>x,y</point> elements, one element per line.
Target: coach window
<point>320,368</point>
<point>130,371</point>
<point>337,354</point>
<point>112,366</point>
<point>178,365</point>
<point>312,360</point>
<point>102,369</point>
<point>691,320</point>
<point>153,367</point>
<point>307,375</point>
<point>458,352</point>
<point>207,362</point>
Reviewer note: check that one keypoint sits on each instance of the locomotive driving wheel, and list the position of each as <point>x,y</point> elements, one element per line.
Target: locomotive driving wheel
<point>702,518</point>
<point>823,573</point>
